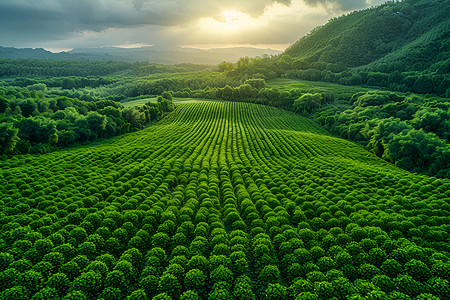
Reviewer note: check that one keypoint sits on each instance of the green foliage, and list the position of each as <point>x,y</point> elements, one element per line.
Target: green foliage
<point>194,280</point>
<point>221,200</point>
<point>46,294</point>
<point>169,284</point>
<point>189,295</point>
<point>75,295</point>
<point>162,296</point>
<point>8,137</point>
<point>221,273</point>
<point>307,103</point>
<point>15,293</point>
<point>276,292</point>
<point>409,53</point>
<point>137,295</point>
<point>44,122</point>
<point>110,293</point>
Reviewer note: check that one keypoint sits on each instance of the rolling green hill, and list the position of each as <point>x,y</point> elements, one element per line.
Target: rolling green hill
<point>221,200</point>
<point>411,32</point>
<point>404,46</point>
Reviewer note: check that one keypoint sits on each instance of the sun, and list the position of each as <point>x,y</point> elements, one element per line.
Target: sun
<point>229,22</point>
<point>231,16</point>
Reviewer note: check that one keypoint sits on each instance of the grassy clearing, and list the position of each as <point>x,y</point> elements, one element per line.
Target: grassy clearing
<point>340,91</point>
<point>175,100</point>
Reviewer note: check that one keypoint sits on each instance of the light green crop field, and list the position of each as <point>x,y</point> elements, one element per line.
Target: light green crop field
<point>176,100</point>
<point>341,91</point>
<point>222,200</point>
<point>138,102</point>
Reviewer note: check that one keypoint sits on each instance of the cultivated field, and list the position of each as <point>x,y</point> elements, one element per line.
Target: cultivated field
<point>224,200</point>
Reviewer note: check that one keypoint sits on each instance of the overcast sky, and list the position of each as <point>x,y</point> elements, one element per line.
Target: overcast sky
<point>65,24</point>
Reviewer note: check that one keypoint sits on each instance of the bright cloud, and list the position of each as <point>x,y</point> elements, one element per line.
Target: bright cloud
<point>93,23</point>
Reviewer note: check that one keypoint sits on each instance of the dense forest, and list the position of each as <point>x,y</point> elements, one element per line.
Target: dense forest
<point>34,121</point>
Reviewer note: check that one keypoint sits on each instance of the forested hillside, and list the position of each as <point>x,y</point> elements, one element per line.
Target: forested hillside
<point>362,37</point>
<point>56,68</point>
<point>401,45</point>
<point>221,200</point>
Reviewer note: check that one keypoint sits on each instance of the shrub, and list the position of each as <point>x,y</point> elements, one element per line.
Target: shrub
<point>189,295</point>
<point>418,270</point>
<point>111,293</point>
<point>169,284</point>
<point>75,295</point>
<point>46,294</point>
<point>195,280</point>
<point>15,293</point>
<point>60,282</point>
<point>243,291</point>
<point>137,295</point>
<point>149,284</point>
<point>222,273</point>
<point>270,274</point>
<point>307,296</point>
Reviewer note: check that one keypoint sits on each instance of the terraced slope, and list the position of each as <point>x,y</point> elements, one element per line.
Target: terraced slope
<point>221,200</point>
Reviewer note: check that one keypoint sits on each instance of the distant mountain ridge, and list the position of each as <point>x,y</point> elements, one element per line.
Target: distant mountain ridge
<point>152,54</point>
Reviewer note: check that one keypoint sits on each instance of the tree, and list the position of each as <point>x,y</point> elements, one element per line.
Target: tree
<point>300,64</point>
<point>27,106</point>
<point>4,104</point>
<point>111,112</point>
<point>285,62</point>
<point>225,66</point>
<point>96,122</point>
<point>134,117</point>
<point>167,95</point>
<point>110,293</point>
<point>424,85</point>
<point>257,83</point>
<point>308,102</point>
<point>245,91</point>
<point>8,137</point>
<point>149,284</point>
<point>31,280</point>
<point>418,270</point>
<point>221,273</point>
<point>270,274</point>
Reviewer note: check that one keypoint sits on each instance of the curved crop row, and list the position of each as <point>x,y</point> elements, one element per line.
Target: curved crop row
<point>221,201</point>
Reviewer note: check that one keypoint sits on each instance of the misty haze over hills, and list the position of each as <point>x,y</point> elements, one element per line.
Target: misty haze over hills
<point>152,54</point>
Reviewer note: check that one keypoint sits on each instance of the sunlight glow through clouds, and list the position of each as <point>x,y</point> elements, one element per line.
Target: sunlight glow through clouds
<point>229,22</point>
<point>166,23</point>
<point>234,26</point>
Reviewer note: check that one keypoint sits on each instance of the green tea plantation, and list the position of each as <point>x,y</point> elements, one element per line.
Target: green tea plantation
<point>221,200</point>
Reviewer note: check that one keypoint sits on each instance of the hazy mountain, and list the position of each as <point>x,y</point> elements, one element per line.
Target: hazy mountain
<point>158,55</point>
